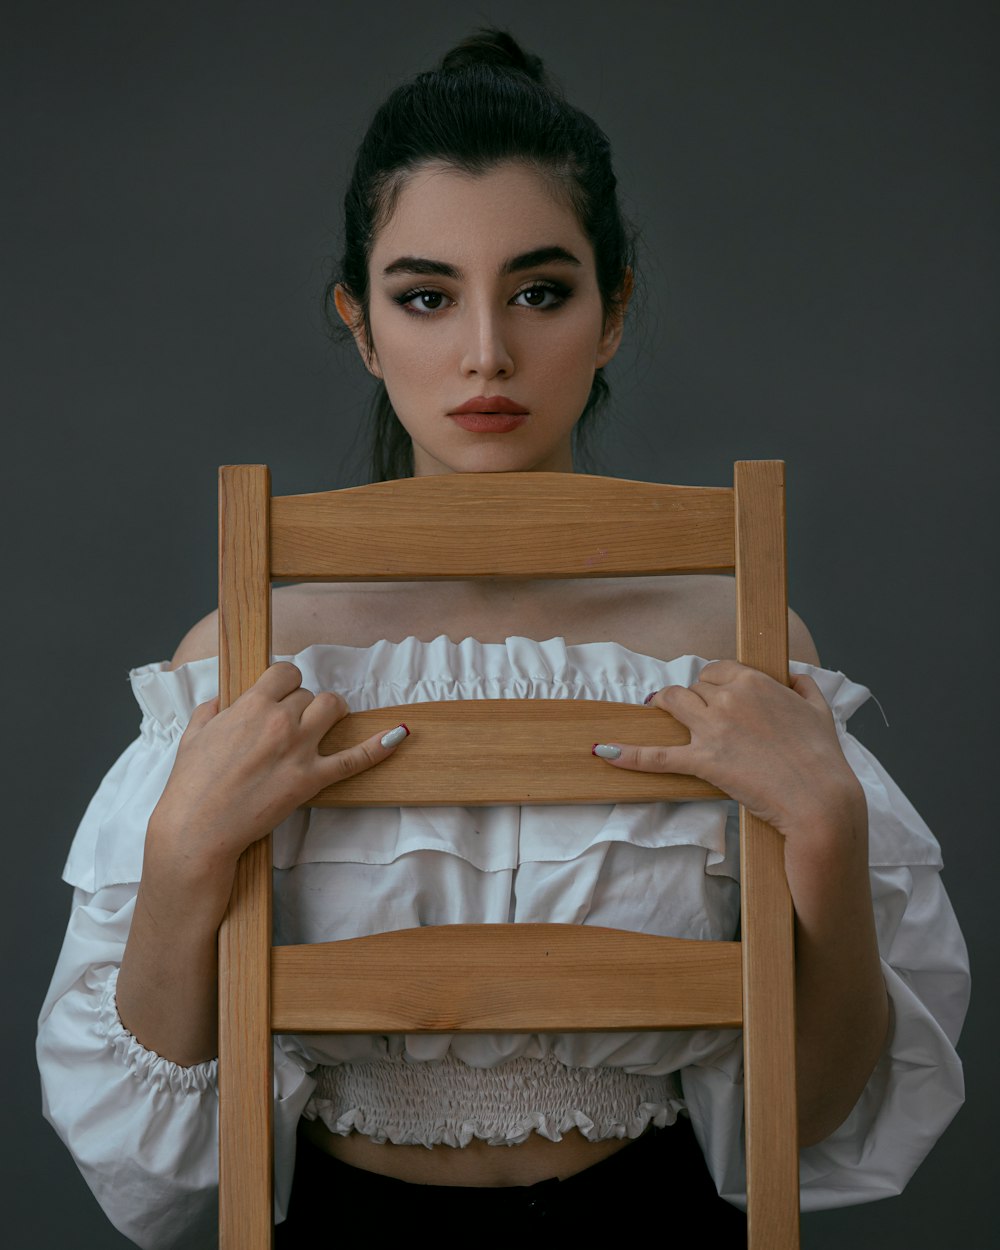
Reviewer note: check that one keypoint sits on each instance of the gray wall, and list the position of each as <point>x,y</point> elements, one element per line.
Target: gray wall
<point>818,205</point>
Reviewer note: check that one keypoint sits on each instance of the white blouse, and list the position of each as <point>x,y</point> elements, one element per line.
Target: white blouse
<point>144,1130</point>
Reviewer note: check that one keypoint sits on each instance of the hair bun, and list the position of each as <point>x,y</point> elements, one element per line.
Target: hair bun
<point>490,46</point>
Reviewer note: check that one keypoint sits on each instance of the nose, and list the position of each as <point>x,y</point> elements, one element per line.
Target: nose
<point>486,352</point>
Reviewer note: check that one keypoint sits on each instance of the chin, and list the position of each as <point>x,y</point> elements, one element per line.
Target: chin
<point>506,465</point>
<point>500,460</point>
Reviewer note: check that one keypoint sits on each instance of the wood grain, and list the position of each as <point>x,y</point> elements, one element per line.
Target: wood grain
<point>490,978</point>
<point>246,1145</point>
<point>767,916</point>
<point>497,524</point>
<point>495,978</point>
<point>487,751</point>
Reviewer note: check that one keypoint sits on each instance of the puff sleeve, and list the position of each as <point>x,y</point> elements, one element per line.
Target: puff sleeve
<point>142,1130</point>
<point>917,1086</point>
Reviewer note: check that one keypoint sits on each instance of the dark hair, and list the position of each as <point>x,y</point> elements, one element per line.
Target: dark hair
<point>488,102</point>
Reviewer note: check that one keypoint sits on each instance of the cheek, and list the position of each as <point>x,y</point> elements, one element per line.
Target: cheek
<point>409,360</point>
<point>570,356</point>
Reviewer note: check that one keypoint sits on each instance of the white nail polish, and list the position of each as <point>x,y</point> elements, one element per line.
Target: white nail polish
<point>394,737</point>
<point>605,752</point>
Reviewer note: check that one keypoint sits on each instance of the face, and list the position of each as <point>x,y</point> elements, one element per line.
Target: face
<point>485,319</point>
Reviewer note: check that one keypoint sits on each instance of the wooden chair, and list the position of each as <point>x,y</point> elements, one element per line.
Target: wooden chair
<point>515,978</point>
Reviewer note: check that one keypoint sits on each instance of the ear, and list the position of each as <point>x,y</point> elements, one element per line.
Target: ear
<point>612,336</point>
<point>352,317</point>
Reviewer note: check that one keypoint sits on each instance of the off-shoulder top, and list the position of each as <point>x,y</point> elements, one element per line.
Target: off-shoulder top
<point>143,1130</point>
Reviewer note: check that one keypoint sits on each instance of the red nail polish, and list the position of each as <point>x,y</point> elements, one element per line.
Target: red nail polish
<point>649,697</point>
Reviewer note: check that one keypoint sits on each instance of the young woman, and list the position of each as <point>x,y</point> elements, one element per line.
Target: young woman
<point>485,280</point>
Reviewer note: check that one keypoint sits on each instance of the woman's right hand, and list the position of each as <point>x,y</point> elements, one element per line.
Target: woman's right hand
<point>241,771</point>
<point>237,774</point>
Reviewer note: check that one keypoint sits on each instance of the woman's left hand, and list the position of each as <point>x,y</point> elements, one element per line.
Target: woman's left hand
<point>775,749</point>
<point>771,747</point>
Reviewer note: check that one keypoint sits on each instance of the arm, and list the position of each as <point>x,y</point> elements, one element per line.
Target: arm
<point>776,750</point>
<point>238,774</point>
<point>141,1127</point>
<point>841,1004</point>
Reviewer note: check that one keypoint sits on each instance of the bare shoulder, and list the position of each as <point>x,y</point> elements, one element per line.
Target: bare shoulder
<point>200,642</point>
<point>800,641</point>
<point>696,615</point>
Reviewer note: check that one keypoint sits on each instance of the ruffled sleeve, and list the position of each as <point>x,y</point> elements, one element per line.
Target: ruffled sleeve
<point>143,1130</point>
<point>917,1086</point>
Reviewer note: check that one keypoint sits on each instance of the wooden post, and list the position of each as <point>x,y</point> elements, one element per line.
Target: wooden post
<point>768,929</point>
<point>246,1147</point>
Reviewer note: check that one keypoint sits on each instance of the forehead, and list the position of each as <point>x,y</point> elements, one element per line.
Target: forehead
<point>448,214</point>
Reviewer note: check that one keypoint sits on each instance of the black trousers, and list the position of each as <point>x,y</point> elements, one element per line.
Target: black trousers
<point>662,1173</point>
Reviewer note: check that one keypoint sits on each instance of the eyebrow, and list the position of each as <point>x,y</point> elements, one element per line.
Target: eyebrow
<point>440,268</point>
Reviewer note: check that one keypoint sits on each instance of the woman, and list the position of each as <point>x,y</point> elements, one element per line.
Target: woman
<point>485,281</point>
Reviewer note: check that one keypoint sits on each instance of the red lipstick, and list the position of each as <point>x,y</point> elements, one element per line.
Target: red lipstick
<point>489,414</point>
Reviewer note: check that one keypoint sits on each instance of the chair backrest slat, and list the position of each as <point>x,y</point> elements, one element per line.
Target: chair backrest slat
<point>485,751</point>
<point>526,977</point>
<point>491,525</point>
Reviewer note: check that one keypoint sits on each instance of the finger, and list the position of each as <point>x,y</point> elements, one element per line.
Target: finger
<point>296,701</point>
<point>203,713</point>
<point>720,672</point>
<point>278,680</point>
<point>806,686</point>
<point>683,703</point>
<point>367,754</point>
<point>708,691</point>
<point>644,759</point>
<point>323,712</point>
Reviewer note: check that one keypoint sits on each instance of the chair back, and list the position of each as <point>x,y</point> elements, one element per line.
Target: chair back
<point>515,978</point>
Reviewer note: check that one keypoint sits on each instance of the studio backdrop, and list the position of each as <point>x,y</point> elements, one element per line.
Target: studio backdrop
<point>816,197</point>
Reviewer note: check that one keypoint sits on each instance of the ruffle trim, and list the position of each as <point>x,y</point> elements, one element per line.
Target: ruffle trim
<point>412,671</point>
<point>459,1134</point>
<point>451,1103</point>
<point>503,839</point>
<point>109,843</point>
<point>147,1065</point>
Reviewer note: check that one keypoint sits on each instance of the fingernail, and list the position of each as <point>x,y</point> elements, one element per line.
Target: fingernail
<point>605,752</point>
<point>395,736</point>
<point>649,697</point>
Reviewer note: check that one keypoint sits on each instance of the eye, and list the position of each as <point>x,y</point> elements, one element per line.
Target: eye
<point>426,300</point>
<point>543,295</point>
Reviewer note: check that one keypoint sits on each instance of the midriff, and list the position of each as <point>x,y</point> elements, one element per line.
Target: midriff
<point>477,1164</point>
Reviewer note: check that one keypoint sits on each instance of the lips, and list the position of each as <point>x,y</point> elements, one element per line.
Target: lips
<point>489,414</point>
<point>490,404</point>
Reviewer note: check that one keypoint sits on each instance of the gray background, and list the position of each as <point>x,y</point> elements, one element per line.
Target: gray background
<point>816,192</point>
